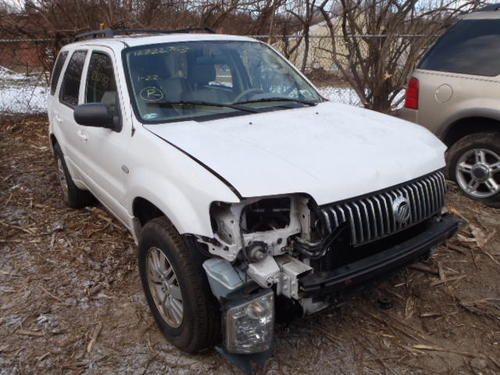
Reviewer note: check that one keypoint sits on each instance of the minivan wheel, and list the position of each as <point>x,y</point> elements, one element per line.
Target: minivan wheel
<point>72,195</point>
<point>474,163</point>
<point>176,288</point>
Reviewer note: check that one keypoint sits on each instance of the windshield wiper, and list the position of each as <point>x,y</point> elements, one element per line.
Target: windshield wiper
<point>208,104</point>
<point>278,99</point>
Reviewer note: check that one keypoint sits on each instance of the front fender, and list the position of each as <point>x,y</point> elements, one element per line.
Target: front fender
<point>188,210</point>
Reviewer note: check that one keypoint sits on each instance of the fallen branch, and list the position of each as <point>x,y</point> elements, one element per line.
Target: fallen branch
<point>95,335</point>
<point>443,350</point>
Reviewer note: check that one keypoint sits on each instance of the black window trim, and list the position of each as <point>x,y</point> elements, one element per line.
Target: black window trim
<point>83,71</point>
<point>61,53</point>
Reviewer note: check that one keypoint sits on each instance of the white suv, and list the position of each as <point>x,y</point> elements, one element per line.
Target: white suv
<point>240,183</point>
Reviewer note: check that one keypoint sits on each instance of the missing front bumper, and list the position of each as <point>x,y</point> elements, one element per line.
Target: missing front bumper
<point>325,283</point>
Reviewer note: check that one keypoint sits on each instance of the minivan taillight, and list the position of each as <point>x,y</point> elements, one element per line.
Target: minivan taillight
<point>411,99</point>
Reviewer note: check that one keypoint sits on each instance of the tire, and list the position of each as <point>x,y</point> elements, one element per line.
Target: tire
<point>200,323</point>
<point>474,164</point>
<point>72,195</point>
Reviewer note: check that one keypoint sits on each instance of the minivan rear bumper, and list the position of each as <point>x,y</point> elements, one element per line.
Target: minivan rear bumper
<point>321,284</point>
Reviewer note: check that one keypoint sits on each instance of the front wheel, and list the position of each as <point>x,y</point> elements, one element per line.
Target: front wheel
<point>177,289</point>
<point>474,163</point>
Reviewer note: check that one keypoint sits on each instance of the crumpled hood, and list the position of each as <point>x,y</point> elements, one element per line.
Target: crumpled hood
<point>331,151</point>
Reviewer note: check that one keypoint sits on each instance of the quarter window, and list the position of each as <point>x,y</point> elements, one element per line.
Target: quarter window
<point>469,47</point>
<point>101,85</point>
<point>70,87</point>
<point>57,71</point>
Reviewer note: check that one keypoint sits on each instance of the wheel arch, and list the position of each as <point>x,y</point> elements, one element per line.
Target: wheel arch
<point>53,142</point>
<point>144,210</point>
<point>464,126</point>
<point>183,216</point>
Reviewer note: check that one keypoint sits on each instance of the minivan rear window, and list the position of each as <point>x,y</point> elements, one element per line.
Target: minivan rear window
<point>469,47</point>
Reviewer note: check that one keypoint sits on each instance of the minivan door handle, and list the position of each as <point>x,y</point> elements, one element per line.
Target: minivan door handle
<point>82,135</point>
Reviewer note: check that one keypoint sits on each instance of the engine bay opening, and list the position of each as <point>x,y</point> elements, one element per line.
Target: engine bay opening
<point>266,214</point>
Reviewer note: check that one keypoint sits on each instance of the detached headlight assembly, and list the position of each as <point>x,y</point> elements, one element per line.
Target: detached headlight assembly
<point>249,325</point>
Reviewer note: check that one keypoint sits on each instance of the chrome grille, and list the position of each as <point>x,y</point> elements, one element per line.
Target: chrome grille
<point>374,216</point>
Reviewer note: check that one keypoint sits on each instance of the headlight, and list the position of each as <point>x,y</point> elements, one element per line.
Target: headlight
<point>249,326</point>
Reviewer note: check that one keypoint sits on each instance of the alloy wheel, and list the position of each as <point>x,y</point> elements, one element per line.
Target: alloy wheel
<point>478,173</point>
<point>164,287</point>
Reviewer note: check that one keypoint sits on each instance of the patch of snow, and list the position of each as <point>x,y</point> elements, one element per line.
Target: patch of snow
<point>344,95</point>
<point>27,98</point>
<point>347,95</point>
<point>22,93</point>
<point>10,75</point>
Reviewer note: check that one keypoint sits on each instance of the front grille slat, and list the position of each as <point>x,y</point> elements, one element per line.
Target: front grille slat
<point>435,192</point>
<point>352,223</point>
<point>359,222</point>
<point>374,217</point>
<point>418,205</point>
<point>428,196</point>
<point>335,217</point>
<point>425,199</point>
<point>386,216</point>
<point>367,220</point>
<point>378,210</point>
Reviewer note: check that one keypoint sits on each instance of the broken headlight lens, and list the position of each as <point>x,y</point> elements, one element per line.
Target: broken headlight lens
<point>249,326</point>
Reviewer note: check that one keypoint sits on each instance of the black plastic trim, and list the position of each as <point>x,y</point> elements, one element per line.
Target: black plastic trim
<point>324,283</point>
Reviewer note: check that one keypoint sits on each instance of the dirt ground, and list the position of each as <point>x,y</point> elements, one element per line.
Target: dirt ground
<point>71,301</point>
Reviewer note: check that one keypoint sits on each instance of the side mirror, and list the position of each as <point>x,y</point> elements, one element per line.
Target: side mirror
<point>96,115</point>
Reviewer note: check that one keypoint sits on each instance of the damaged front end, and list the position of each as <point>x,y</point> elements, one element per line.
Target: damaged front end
<point>288,246</point>
<point>260,249</point>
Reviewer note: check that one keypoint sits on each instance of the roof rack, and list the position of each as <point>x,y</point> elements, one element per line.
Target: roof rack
<point>489,8</point>
<point>110,33</point>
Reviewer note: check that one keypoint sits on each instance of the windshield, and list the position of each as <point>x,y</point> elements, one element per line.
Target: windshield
<point>210,79</point>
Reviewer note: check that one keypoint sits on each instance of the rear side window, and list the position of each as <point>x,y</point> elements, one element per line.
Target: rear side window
<point>70,86</point>
<point>57,71</point>
<point>469,47</point>
<point>101,86</point>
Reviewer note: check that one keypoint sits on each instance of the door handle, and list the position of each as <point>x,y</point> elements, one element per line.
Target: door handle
<point>82,135</point>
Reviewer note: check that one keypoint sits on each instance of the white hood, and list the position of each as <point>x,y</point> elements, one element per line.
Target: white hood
<point>331,152</point>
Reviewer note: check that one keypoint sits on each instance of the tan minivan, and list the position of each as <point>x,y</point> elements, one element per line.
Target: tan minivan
<point>455,93</point>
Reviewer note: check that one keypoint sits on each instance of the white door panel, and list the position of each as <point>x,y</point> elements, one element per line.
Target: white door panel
<point>104,150</point>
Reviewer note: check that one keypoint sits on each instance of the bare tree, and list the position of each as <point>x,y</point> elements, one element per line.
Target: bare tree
<point>306,13</point>
<point>375,44</point>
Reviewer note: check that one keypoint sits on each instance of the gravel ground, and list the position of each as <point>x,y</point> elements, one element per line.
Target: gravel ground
<point>71,301</point>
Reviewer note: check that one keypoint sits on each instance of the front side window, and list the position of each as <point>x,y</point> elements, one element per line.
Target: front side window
<point>469,47</point>
<point>70,86</point>
<point>193,80</point>
<point>57,71</point>
<point>101,85</point>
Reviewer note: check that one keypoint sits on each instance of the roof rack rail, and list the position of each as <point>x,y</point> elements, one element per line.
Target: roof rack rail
<point>110,33</point>
<point>489,8</point>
